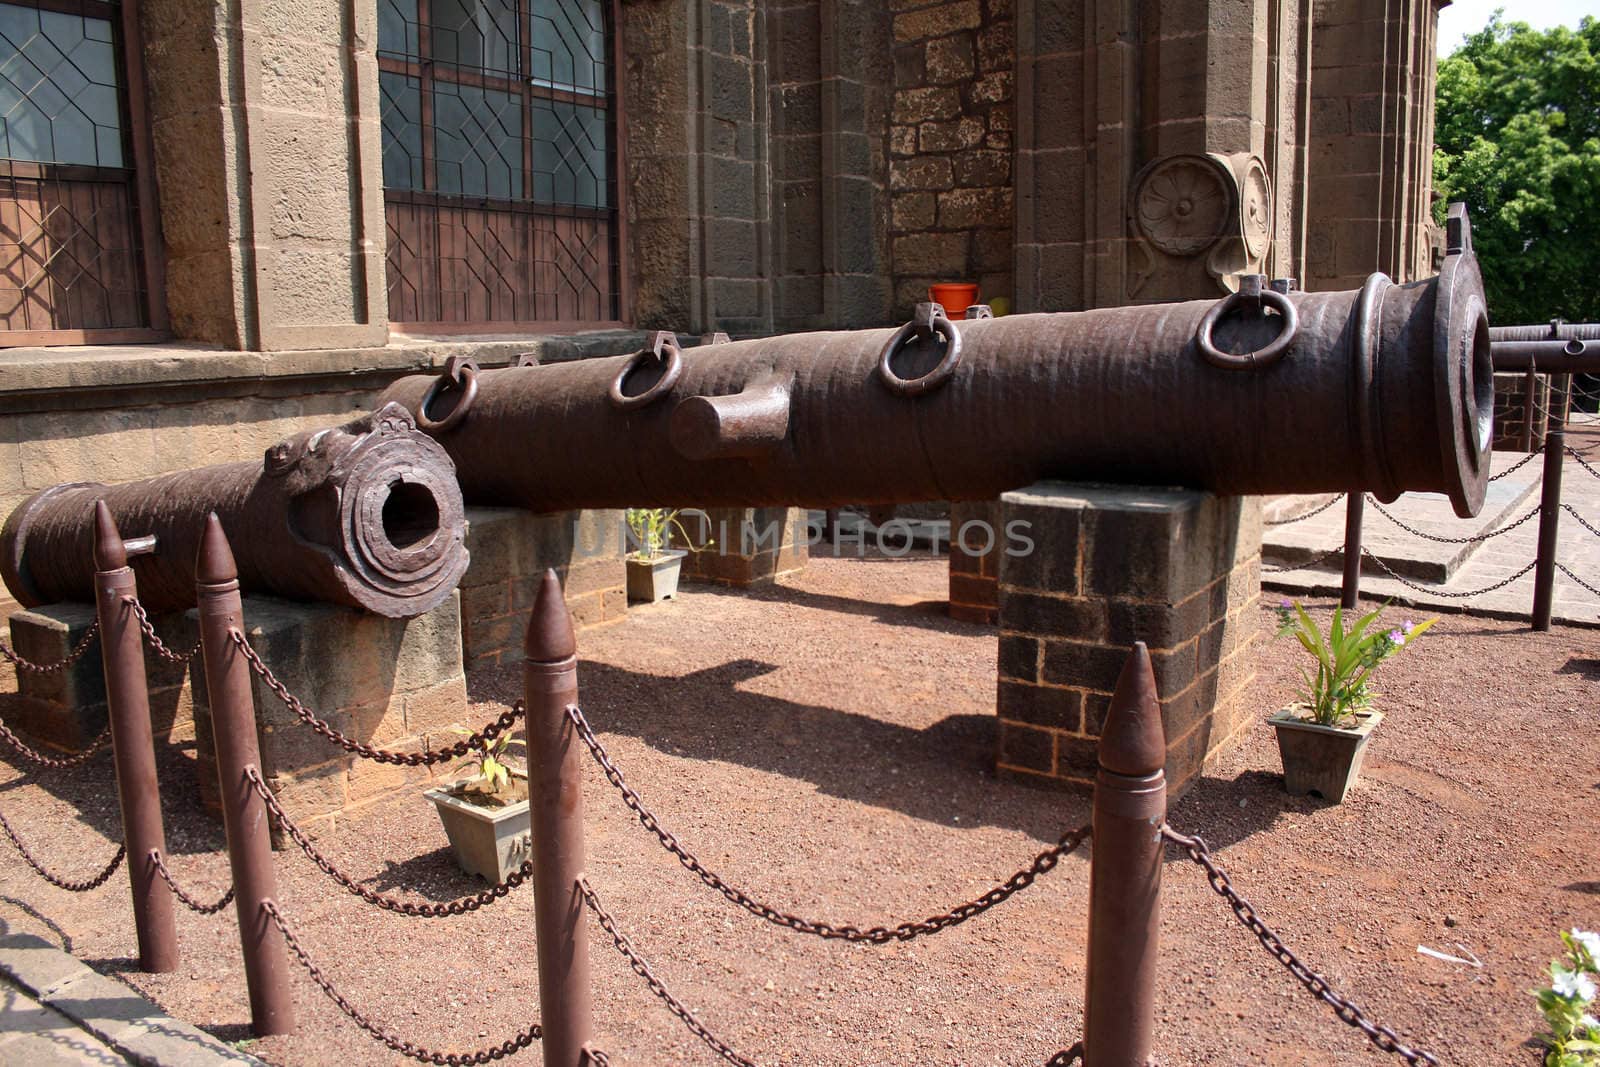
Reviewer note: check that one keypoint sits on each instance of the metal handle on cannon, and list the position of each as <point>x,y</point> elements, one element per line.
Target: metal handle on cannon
<point>1252,296</point>
<point>930,319</point>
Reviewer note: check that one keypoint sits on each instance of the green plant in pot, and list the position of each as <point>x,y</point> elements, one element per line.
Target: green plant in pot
<point>1323,735</point>
<point>654,568</point>
<point>485,815</point>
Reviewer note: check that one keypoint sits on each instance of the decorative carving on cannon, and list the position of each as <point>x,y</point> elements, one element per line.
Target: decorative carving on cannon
<point>366,514</point>
<point>1388,388</point>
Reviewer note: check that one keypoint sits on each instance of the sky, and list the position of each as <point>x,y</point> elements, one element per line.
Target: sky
<point>1469,16</point>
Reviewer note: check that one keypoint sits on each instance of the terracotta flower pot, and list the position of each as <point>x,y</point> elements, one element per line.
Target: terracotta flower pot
<point>488,841</point>
<point>954,297</point>
<point>651,580</point>
<point>1324,760</point>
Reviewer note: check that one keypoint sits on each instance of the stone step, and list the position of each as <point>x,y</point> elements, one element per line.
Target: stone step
<point>1298,544</point>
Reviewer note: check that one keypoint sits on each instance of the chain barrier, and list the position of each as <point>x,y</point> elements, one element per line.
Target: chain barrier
<point>509,1047</point>
<point>56,880</point>
<point>1305,515</point>
<point>477,739</point>
<point>877,935</point>
<point>1585,523</point>
<point>1563,569</point>
<point>1518,465</point>
<point>642,969</point>
<point>1585,464</point>
<point>1449,594</point>
<point>1304,565</point>
<point>53,762</point>
<point>24,664</point>
<point>458,906</point>
<point>1381,1036</point>
<point>1386,513</point>
<point>158,646</point>
<point>189,902</point>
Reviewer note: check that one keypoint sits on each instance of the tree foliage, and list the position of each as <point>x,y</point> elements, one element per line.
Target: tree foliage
<point>1517,136</point>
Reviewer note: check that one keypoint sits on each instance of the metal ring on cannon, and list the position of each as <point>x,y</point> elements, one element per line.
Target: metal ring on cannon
<point>1251,294</point>
<point>457,372</point>
<point>662,341</point>
<point>930,319</point>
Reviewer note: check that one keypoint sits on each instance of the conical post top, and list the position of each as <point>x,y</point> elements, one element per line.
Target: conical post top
<point>549,638</point>
<point>214,563</point>
<point>109,552</point>
<point>1133,742</point>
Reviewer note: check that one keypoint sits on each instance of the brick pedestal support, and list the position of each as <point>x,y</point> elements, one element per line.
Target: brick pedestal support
<point>976,543</point>
<point>752,545</point>
<point>510,549</point>
<point>68,708</point>
<point>1176,569</point>
<point>395,683</point>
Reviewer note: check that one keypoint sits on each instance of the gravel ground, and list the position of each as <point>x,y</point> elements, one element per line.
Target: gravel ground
<point>826,745</point>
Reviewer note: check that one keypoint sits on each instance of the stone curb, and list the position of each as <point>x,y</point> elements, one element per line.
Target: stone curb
<point>109,1010</point>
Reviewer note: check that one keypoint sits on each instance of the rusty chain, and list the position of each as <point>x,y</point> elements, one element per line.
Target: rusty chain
<point>1381,1036</point>
<point>1563,569</point>
<point>1585,464</point>
<point>477,739</point>
<point>1303,565</point>
<point>1449,594</point>
<point>189,902</point>
<point>56,880</point>
<point>509,1047</point>
<point>1450,540</point>
<point>877,935</point>
<point>158,646</point>
<point>1305,515</point>
<point>24,664</point>
<point>458,906</point>
<point>53,762</point>
<point>1518,465</point>
<point>677,1007</point>
<point>642,969</point>
<point>1585,523</point>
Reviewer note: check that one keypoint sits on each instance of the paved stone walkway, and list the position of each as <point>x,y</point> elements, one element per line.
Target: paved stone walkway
<point>1489,564</point>
<point>56,1011</point>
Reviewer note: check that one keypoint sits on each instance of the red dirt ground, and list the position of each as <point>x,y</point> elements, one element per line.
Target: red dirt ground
<point>826,745</point>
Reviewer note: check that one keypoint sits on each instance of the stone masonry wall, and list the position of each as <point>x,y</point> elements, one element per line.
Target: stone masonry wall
<point>950,147</point>
<point>974,571</point>
<point>750,546</point>
<point>1179,570</point>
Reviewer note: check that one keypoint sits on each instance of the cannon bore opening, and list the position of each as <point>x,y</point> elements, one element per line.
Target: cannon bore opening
<point>1478,367</point>
<point>410,514</point>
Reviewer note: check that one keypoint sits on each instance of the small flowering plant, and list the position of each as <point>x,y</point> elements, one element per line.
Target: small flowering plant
<point>1568,1004</point>
<point>1346,658</point>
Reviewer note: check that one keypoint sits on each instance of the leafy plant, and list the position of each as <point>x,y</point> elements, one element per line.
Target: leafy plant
<point>493,773</point>
<point>1574,1034</point>
<point>1346,658</point>
<point>651,529</point>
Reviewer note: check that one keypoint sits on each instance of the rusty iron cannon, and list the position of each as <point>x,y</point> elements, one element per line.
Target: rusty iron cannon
<point>1387,388</point>
<point>366,514</point>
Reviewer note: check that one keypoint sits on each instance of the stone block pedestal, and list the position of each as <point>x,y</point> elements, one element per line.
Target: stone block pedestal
<point>1111,565</point>
<point>67,709</point>
<point>393,683</point>
<point>976,544</point>
<point>751,546</point>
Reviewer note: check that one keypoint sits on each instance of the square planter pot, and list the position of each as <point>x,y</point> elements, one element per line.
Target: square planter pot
<point>487,842</point>
<point>1324,760</point>
<point>652,580</point>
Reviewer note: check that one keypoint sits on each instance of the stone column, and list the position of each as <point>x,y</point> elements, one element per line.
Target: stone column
<point>1179,570</point>
<point>264,117</point>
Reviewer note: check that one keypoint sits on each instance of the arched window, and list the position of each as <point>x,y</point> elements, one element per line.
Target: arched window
<point>499,161</point>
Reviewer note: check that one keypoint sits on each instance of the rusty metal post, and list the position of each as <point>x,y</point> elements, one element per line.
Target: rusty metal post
<point>244,814</point>
<point>1354,509</point>
<point>1130,807</point>
<point>555,792</point>
<point>1555,454</point>
<point>132,745</point>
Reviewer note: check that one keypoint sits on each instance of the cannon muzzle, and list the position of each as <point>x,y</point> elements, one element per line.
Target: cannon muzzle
<point>366,514</point>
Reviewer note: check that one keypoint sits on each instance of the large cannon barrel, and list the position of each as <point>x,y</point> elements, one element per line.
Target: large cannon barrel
<point>1387,388</point>
<point>366,514</point>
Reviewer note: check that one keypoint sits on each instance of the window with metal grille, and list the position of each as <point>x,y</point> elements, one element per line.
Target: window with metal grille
<point>78,256</point>
<point>499,161</point>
